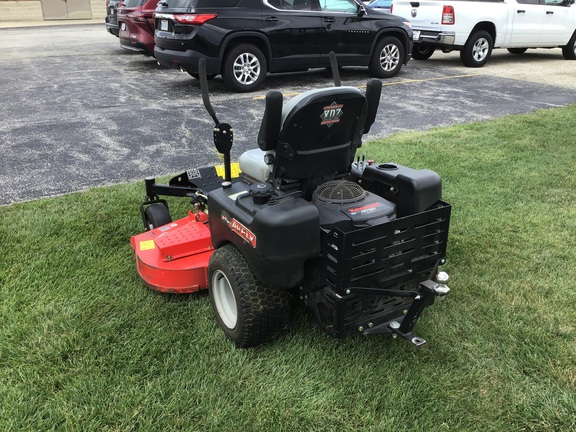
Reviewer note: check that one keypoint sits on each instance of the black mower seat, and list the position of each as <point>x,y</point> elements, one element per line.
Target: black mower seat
<point>314,134</point>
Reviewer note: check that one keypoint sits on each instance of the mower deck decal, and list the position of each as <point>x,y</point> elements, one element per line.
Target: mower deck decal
<point>147,245</point>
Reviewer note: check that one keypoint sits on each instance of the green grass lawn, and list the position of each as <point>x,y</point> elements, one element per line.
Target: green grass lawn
<point>85,346</point>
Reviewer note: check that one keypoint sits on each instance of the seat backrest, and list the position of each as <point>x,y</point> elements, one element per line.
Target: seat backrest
<point>320,131</point>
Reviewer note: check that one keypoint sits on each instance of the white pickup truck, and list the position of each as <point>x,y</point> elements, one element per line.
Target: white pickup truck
<point>474,27</point>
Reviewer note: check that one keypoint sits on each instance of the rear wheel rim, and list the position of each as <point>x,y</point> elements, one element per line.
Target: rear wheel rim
<point>246,68</point>
<point>224,299</point>
<point>480,49</point>
<point>389,57</point>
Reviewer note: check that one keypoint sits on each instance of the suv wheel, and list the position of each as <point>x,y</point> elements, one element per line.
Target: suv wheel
<point>244,68</point>
<point>569,51</point>
<point>388,58</point>
<point>477,49</point>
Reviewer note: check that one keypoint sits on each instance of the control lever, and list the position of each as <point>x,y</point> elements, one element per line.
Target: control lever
<point>223,133</point>
<point>334,67</point>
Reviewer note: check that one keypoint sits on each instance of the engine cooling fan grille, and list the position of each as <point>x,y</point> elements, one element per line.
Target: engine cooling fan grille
<point>339,192</point>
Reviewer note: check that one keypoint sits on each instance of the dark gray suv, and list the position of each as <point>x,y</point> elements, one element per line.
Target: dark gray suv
<point>243,40</point>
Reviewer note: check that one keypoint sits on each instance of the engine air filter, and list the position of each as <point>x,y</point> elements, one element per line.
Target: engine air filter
<point>339,192</point>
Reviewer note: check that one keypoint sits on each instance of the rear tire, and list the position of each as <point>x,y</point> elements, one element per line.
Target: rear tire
<point>422,52</point>
<point>517,50</point>
<point>197,76</point>
<point>569,51</point>
<point>156,216</point>
<point>477,49</point>
<point>249,312</point>
<point>388,58</point>
<point>244,68</point>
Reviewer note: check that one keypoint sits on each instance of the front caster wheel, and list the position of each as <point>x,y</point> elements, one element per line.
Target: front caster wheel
<point>249,312</point>
<point>157,215</point>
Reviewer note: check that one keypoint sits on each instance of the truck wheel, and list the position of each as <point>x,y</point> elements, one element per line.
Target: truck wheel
<point>517,50</point>
<point>156,216</point>
<point>244,68</point>
<point>569,51</point>
<point>388,58</point>
<point>249,312</point>
<point>477,49</point>
<point>422,52</point>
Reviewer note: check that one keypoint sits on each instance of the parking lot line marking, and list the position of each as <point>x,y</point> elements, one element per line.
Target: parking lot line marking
<point>430,79</point>
<point>391,83</point>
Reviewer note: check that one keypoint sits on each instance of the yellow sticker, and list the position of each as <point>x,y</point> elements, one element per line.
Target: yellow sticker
<point>234,170</point>
<point>147,245</point>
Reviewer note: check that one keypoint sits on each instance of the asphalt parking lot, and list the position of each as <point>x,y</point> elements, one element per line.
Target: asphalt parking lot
<point>78,111</point>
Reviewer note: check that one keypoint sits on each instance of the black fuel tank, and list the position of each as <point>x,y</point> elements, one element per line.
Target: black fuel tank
<point>276,237</point>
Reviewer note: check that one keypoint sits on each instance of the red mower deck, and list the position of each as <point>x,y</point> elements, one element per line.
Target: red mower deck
<point>174,258</point>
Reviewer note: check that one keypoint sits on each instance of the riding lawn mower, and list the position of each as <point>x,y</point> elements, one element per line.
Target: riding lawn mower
<point>302,216</point>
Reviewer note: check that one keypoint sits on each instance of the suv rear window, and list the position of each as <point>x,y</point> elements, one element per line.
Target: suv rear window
<point>134,3</point>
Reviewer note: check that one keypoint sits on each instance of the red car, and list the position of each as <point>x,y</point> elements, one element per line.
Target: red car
<point>136,25</point>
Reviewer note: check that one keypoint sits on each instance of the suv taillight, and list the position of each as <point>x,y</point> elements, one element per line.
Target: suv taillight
<point>448,17</point>
<point>137,16</point>
<point>197,19</point>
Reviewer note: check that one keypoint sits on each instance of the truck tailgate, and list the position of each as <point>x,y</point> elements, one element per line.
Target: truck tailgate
<point>424,15</point>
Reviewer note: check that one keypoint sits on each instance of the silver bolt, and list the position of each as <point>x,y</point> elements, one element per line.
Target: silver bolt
<point>360,329</point>
<point>370,325</point>
<point>347,291</point>
<point>395,325</point>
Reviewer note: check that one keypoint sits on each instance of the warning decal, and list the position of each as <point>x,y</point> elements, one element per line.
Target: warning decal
<point>147,245</point>
<point>234,170</point>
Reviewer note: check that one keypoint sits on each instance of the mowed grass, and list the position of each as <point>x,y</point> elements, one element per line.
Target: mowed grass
<point>85,346</point>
